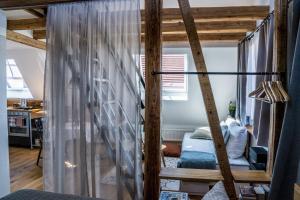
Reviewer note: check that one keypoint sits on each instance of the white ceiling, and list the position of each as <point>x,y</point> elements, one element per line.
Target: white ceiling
<point>18,14</point>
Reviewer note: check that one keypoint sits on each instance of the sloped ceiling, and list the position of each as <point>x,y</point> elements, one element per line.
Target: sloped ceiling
<point>31,62</point>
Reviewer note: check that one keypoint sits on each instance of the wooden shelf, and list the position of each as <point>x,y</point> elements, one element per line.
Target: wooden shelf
<point>251,176</point>
<point>297,192</point>
<point>250,129</point>
<point>193,175</point>
<point>206,175</point>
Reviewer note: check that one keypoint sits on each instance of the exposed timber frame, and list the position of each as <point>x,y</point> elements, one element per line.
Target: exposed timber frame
<point>208,98</point>
<point>153,50</point>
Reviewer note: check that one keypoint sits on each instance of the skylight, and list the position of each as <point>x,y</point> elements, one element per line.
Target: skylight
<point>16,86</point>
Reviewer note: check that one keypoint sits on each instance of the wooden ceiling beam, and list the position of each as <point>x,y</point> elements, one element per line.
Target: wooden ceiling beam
<point>208,14</point>
<point>23,39</point>
<point>203,37</point>
<point>34,13</point>
<point>22,4</point>
<point>210,27</point>
<point>39,34</point>
<point>203,27</point>
<point>27,24</point>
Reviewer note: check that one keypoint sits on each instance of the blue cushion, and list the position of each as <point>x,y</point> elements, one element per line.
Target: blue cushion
<point>197,160</point>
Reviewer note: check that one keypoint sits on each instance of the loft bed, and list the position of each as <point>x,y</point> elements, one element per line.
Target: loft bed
<point>154,16</point>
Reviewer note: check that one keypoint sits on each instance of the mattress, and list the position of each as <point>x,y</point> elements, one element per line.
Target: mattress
<point>207,146</point>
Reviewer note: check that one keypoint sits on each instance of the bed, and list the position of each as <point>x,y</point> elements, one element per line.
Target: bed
<point>206,146</point>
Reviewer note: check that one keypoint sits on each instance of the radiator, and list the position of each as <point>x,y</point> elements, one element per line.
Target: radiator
<point>175,133</point>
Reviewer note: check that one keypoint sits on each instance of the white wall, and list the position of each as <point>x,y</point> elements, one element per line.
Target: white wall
<point>191,113</point>
<point>4,161</point>
<point>31,63</point>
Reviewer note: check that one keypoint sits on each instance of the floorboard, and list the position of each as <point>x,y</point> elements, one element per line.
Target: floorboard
<point>24,173</point>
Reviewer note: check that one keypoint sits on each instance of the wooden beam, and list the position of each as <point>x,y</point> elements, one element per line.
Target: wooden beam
<point>210,27</point>
<point>208,98</point>
<point>208,14</point>
<point>204,37</point>
<point>21,4</point>
<point>152,111</point>
<point>208,175</point>
<point>280,65</point>
<point>39,34</point>
<point>27,24</point>
<point>34,13</point>
<point>20,38</point>
<point>297,192</point>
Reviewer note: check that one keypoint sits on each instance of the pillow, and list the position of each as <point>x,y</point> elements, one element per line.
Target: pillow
<point>225,133</point>
<point>216,193</point>
<point>205,133</point>
<point>230,121</point>
<point>237,141</point>
<point>201,133</point>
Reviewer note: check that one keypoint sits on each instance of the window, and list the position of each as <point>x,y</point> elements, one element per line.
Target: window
<point>174,86</point>
<point>16,86</point>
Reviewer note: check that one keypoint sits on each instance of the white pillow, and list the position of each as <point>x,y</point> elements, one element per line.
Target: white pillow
<point>237,141</point>
<point>230,121</point>
<point>216,193</point>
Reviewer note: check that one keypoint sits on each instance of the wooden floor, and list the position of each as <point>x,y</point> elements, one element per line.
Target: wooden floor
<point>24,173</point>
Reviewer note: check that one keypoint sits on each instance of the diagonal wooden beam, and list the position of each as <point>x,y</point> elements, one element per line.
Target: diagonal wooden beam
<point>210,27</point>
<point>27,24</point>
<point>23,39</point>
<point>34,13</point>
<point>208,98</point>
<point>208,14</point>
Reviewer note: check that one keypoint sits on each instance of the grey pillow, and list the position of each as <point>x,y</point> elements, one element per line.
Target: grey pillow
<point>201,133</point>
<point>225,133</point>
<point>216,193</point>
<point>237,141</point>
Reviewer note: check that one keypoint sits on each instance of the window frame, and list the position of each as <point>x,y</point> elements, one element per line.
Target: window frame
<point>173,95</point>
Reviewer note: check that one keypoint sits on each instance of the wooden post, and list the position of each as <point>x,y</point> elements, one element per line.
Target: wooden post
<point>280,64</point>
<point>152,110</point>
<point>208,98</point>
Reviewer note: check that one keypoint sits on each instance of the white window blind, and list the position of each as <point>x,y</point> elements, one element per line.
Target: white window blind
<point>171,63</point>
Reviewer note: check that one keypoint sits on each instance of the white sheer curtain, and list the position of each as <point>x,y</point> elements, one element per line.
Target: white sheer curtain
<point>92,142</point>
<point>250,86</point>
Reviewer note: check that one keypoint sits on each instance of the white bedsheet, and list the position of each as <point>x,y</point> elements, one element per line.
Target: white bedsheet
<point>207,146</point>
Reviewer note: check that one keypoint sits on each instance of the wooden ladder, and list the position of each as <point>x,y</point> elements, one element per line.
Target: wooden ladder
<point>208,98</point>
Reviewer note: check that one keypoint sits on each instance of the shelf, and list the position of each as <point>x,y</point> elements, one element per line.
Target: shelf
<point>206,175</point>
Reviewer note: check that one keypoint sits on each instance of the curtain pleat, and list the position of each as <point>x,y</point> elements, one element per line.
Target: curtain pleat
<point>92,139</point>
<point>261,121</point>
<point>255,55</point>
<point>243,51</point>
<point>287,167</point>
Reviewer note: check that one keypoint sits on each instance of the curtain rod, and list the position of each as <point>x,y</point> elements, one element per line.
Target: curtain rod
<point>221,73</point>
<point>251,35</point>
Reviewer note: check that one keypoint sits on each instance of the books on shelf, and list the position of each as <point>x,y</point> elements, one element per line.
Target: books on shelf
<point>259,192</point>
<point>166,195</point>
